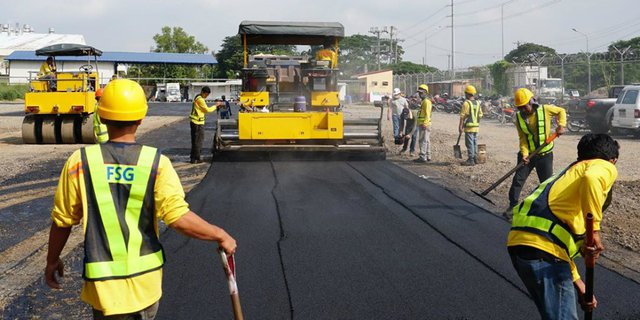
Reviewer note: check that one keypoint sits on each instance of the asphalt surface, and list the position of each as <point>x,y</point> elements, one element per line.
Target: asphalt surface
<point>352,240</point>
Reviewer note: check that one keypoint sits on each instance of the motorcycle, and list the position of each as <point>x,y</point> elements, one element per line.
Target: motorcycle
<point>576,124</point>
<point>509,114</point>
<point>439,103</point>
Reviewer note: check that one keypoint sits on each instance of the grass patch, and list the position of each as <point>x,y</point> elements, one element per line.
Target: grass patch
<point>13,92</point>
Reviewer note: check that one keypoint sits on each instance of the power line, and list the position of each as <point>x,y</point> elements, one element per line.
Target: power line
<point>546,4</point>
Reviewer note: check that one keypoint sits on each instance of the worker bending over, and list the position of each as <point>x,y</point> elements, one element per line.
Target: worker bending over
<point>469,123</point>
<point>548,228</point>
<point>198,109</point>
<point>533,126</point>
<point>119,190</point>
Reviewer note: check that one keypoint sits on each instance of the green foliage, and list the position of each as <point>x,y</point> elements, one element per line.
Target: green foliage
<point>405,67</point>
<point>527,51</point>
<point>176,40</point>
<point>358,51</point>
<point>498,73</point>
<point>231,58</point>
<point>13,92</point>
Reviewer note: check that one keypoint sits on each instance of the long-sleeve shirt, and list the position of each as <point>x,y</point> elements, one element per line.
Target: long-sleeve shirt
<point>424,117</point>
<point>199,109</point>
<point>550,111</point>
<point>46,69</point>
<point>582,189</point>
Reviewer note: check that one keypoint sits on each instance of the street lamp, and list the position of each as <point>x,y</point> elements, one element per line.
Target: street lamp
<point>588,60</point>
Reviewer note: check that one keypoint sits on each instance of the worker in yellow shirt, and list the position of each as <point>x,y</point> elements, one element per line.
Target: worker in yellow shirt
<point>122,270</point>
<point>424,125</point>
<point>533,123</point>
<point>470,115</point>
<point>48,72</point>
<point>99,128</point>
<point>328,54</point>
<point>198,109</point>
<point>548,228</point>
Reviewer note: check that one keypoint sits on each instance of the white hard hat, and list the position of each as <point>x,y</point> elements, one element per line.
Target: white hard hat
<point>396,91</point>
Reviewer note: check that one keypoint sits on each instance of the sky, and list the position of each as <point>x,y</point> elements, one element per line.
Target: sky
<point>479,26</point>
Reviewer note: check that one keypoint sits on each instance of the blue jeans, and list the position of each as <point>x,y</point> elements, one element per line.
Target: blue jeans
<point>471,142</point>
<point>396,125</point>
<point>550,285</point>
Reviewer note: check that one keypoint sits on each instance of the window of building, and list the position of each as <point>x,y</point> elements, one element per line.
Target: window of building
<point>385,83</point>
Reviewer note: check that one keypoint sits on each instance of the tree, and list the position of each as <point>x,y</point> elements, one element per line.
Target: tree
<point>527,52</point>
<point>498,73</point>
<point>231,59</point>
<point>406,67</point>
<point>356,54</point>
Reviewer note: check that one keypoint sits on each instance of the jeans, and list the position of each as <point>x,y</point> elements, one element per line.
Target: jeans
<point>544,169</point>
<point>197,136</point>
<point>424,142</point>
<point>396,125</point>
<point>412,144</point>
<point>471,142</point>
<point>550,285</point>
<point>146,314</point>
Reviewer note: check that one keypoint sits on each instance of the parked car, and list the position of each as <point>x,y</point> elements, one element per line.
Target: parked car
<point>597,111</point>
<point>626,111</point>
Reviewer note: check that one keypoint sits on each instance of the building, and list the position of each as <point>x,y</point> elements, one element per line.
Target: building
<point>16,38</point>
<point>374,85</point>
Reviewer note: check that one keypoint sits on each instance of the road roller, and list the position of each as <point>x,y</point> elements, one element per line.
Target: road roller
<point>59,107</point>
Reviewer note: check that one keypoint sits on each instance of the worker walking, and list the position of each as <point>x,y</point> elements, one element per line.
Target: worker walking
<point>198,110</point>
<point>99,129</point>
<point>424,125</point>
<point>470,115</point>
<point>548,228</point>
<point>118,190</point>
<point>533,126</point>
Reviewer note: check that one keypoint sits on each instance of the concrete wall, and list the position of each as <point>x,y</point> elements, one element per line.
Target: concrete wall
<point>378,85</point>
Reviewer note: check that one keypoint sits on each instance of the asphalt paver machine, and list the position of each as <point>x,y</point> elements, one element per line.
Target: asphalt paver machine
<point>59,108</point>
<point>291,103</point>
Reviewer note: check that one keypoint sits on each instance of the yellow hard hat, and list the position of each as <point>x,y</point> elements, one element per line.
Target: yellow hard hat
<point>522,97</point>
<point>123,100</point>
<point>424,88</point>
<point>470,90</point>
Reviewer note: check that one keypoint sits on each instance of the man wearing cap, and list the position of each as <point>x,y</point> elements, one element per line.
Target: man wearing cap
<point>396,105</point>
<point>118,191</point>
<point>198,109</point>
<point>533,123</point>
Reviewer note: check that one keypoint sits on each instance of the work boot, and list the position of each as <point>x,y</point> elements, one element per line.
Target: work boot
<point>421,160</point>
<point>469,162</point>
<point>508,214</point>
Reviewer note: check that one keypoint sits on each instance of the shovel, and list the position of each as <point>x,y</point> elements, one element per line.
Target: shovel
<point>229,265</point>
<point>590,263</point>
<point>520,165</point>
<point>456,149</point>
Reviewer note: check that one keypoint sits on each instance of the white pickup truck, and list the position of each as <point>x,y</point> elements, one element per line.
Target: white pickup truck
<point>626,111</point>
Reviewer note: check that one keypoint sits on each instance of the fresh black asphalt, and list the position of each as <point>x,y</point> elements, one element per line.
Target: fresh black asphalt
<point>352,240</point>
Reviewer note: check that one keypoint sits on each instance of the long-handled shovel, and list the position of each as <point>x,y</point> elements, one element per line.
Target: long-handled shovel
<point>456,148</point>
<point>520,165</point>
<point>229,264</point>
<point>590,263</point>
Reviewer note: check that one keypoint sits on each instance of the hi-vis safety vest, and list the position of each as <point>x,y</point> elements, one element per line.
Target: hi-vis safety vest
<point>541,133</point>
<point>196,115</point>
<point>472,119</point>
<point>99,129</point>
<point>535,216</point>
<point>120,238</point>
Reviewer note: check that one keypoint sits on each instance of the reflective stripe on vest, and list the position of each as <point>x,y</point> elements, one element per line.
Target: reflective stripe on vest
<point>472,119</point>
<point>114,245</point>
<point>196,116</point>
<point>542,134</point>
<point>535,216</point>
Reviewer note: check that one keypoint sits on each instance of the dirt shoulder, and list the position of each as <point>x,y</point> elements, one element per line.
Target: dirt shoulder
<point>621,221</point>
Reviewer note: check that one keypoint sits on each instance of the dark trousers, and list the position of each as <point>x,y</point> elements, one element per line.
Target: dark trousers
<point>544,168</point>
<point>197,136</point>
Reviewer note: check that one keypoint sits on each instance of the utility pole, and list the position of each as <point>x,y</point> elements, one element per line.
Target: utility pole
<point>622,53</point>
<point>588,59</point>
<point>453,47</point>
<point>377,32</point>
<point>562,56</point>
<point>391,45</point>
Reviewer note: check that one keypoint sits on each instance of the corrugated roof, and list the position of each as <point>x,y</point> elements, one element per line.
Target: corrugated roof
<point>127,58</point>
<point>32,41</point>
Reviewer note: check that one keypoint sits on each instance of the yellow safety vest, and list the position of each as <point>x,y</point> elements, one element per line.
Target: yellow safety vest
<point>534,215</point>
<point>472,119</point>
<point>196,115</point>
<point>541,134</point>
<point>100,129</point>
<point>120,237</point>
